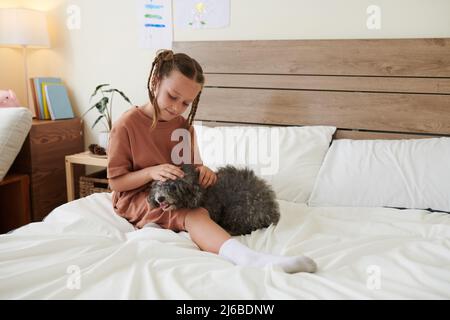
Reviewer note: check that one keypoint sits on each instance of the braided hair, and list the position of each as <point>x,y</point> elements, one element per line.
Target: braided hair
<point>166,61</point>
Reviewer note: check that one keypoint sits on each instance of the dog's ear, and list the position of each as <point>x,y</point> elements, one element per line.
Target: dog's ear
<point>151,195</point>
<point>188,169</point>
<point>190,174</point>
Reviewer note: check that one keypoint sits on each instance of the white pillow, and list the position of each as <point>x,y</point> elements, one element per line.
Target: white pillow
<point>288,158</point>
<point>385,173</point>
<point>15,123</point>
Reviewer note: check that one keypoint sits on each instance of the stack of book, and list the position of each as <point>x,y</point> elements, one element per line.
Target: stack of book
<point>50,99</point>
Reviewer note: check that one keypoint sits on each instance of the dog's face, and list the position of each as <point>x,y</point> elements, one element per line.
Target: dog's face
<point>175,194</point>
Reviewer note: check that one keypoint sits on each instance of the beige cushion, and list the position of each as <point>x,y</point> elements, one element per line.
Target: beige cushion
<point>15,123</point>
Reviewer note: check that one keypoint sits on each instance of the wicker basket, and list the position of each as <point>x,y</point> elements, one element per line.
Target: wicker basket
<point>93,183</point>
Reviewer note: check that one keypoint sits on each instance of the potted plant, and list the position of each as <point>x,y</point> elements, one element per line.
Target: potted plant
<point>104,108</point>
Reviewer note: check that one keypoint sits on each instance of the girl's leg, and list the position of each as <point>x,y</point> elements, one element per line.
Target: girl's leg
<point>207,234</point>
<point>211,237</point>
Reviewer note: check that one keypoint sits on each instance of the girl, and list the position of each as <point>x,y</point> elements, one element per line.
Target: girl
<point>140,151</point>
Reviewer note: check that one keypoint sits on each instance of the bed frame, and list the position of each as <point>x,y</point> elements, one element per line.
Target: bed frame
<point>368,89</point>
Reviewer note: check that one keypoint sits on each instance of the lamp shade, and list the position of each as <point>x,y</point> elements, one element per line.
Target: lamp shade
<point>23,27</point>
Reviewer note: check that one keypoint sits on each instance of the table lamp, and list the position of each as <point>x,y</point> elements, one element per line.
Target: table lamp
<point>23,28</point>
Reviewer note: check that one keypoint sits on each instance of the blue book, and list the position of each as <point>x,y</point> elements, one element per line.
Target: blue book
<point>58,101</point>
<point>39,94</point>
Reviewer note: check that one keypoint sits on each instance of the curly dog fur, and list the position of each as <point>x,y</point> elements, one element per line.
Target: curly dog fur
<point>240,202</point>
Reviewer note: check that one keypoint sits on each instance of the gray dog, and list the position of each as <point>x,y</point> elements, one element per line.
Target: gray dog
<point>240,202</point>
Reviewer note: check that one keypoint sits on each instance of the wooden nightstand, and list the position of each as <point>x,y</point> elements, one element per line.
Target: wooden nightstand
<point>42,158</point>
<point>84,158</point>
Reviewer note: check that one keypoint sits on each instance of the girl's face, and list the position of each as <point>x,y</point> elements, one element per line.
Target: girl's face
<point>174,94</point>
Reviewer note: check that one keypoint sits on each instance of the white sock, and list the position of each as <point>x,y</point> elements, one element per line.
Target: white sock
<point>242,255</point>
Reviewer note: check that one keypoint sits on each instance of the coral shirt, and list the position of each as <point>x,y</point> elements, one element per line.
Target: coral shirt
<point>133,145</point>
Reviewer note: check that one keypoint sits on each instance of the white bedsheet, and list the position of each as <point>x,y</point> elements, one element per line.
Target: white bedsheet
<point>362,253</point>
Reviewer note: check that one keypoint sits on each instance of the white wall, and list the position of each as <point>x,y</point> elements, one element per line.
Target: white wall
<point>328,19</point>
<point>106,50</point>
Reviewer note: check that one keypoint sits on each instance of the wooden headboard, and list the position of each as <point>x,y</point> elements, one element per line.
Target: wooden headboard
<point>368,89</point>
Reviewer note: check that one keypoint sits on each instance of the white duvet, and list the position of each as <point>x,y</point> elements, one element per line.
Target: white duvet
<point>84,251</point>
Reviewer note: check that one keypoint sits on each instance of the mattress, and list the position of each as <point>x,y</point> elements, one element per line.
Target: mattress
<point>83,250</point>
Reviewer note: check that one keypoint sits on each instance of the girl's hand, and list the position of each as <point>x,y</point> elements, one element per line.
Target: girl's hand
<point>207,177</point>
<point>165,171</point>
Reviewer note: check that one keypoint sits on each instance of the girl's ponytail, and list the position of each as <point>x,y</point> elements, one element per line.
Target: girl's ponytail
<point>191,115</point>
<point>162,57</point>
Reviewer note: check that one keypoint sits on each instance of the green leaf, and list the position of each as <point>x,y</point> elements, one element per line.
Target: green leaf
<point>98,88</point>
<point>102,105</point>
<point>121,93</point>
<point>87,111</point>
<point>98,119</point>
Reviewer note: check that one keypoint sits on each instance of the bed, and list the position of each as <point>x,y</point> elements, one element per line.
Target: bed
<point>367,90</point>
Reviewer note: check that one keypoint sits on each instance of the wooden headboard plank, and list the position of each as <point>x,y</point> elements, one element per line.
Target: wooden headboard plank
<point>375,57</point>
<point>350,110</point>
<point>333,83</point>
<point>382,87</point>
<point>365,135</point>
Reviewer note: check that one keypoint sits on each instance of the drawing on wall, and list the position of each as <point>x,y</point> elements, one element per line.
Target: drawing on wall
<point>155,24</point>
<point>199,14</point>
